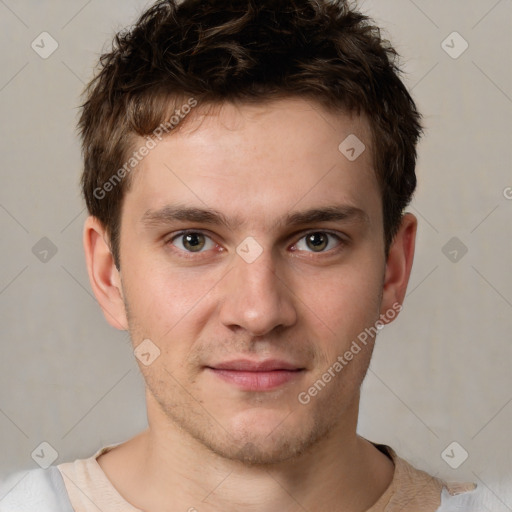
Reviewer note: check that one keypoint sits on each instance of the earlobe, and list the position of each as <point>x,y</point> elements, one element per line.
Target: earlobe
<point>103,274</point>
<point>398,266</point>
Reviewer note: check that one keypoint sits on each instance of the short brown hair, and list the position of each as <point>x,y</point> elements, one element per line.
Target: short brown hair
<point>245,51</point>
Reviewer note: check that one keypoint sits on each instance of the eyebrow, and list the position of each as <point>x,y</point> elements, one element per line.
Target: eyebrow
<point>175,213</point>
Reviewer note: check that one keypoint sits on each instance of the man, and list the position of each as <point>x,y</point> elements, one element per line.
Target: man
<point>247,167</point>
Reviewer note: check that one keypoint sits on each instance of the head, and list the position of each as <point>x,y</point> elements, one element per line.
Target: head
<point>230,119</point>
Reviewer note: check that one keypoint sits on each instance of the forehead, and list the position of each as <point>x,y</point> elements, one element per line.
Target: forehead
<point>259,162</point>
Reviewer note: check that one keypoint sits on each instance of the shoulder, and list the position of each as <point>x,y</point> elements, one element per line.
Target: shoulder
<point>424,492</point>
<point>35,490</point>
<point>464,498</point>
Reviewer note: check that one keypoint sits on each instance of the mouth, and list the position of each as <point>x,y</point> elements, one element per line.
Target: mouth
<point>250,375</point>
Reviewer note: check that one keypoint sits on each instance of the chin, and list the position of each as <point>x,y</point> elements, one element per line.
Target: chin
<point>255,435</point>
<point>264,446</point>
<point>261,454</point>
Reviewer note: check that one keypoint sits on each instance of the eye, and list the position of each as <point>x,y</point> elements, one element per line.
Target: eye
<point>192,241</point>
<point>318,241</point>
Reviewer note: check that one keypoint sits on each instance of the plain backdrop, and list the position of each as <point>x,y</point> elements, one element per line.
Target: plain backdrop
<point>441,373</point>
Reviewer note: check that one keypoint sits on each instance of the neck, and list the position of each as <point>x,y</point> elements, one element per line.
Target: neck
<point>168,470</point>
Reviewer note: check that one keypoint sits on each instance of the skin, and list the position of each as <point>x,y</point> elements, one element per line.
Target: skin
<point>211,445</point>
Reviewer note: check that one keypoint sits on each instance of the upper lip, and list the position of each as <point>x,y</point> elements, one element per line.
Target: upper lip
<point>255,366</point>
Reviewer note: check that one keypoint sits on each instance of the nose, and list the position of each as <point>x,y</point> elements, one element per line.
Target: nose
<point>256,298</point>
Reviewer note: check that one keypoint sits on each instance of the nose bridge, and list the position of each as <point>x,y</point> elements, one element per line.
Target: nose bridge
<point>256,299</point>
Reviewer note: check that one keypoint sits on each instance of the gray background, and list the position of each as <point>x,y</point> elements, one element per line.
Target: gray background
<point>441,372</point>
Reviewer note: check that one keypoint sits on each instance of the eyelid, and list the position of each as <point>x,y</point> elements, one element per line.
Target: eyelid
<point>183,232</point>
<point>172,237</point>
<point>338,236</point>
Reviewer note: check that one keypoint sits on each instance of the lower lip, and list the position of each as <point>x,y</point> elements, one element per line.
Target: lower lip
<point>257,381</point>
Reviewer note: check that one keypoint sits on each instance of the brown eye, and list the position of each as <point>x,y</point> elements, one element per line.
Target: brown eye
<point>318,241</point>
<point>192,242</point>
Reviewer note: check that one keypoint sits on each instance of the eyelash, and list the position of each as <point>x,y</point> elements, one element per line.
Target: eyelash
<point>187,254</point>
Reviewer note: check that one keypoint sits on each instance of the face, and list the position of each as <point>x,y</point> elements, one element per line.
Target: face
<point>252,257</point>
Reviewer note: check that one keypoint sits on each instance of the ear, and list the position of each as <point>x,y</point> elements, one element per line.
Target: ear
<point>398,267</point>
<point>103,275</point>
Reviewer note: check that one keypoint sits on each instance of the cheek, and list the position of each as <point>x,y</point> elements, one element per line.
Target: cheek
<point>164,301</point>
<point>344,299</point>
